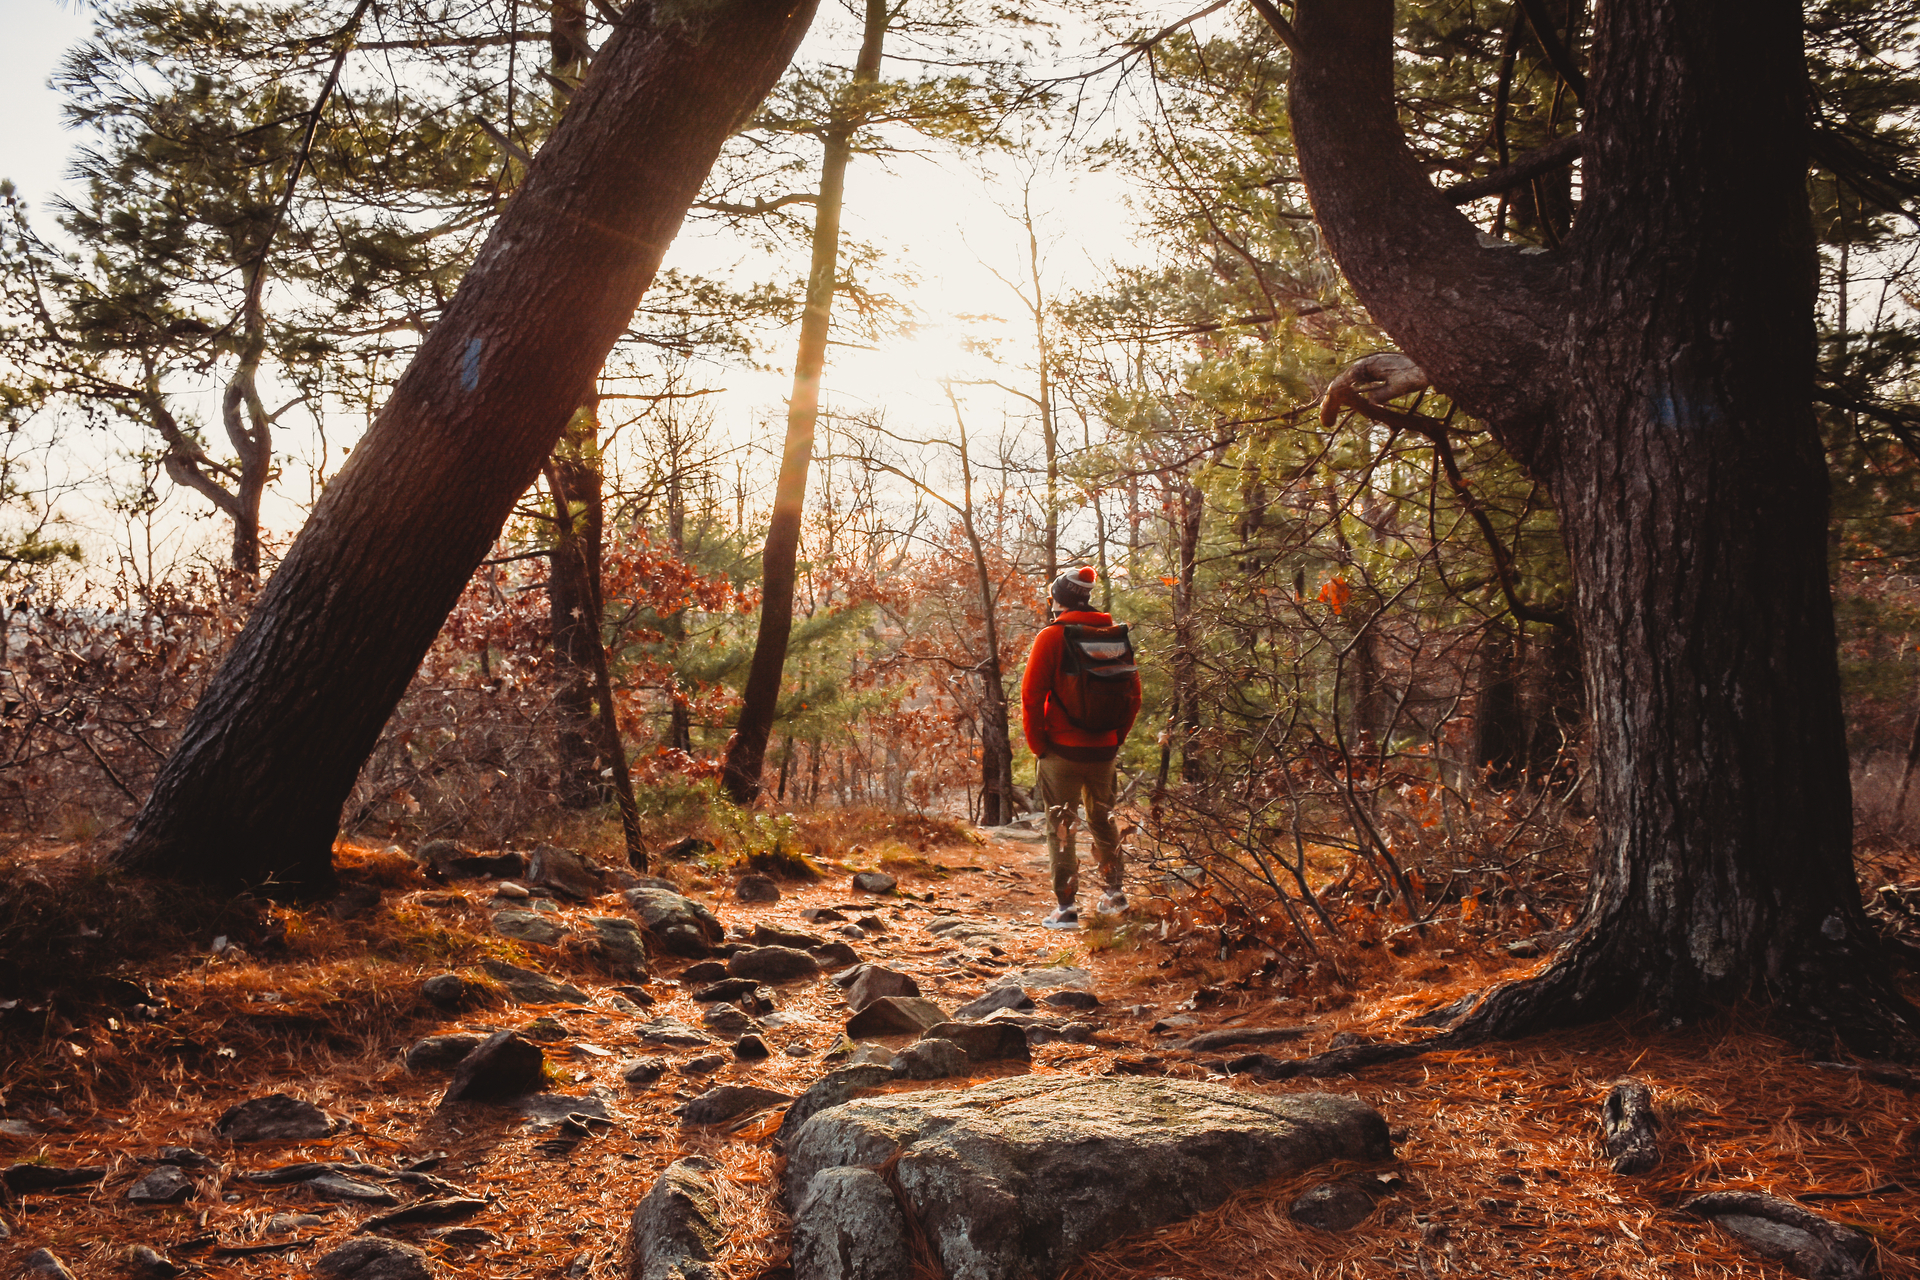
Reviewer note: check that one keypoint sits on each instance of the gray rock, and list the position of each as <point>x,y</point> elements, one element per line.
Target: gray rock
<point>728,1021</point>
<point>985,1041</point>
<point>528,926</point>
<point>751,1048</point>
<point>372,1258</point>
<point>680,925</point>
<point>275,1118</point>
<point>1225,1036</point>
<point>996,999</point>
<point>618,941</point>
<point>530,987</point>
<point>676,1230</point>
<point>769,936</point>
<point>851,1228</point>
<point>756,888</point>
<point>643,1070</point>
<point>44,1264</point>
<point>165,1185</point>
<point>141,1262</point>
<point>729,1102</point>
<point>1799,1239</point>
<point>671,1032</point>
<point>1017,1177</point>
<point>934,1059</point>
<point>772,964</point>
<point>451,991</point>
<point>442,1053</point>
<point>185,1157</point>
<point>831,1090</point>
<point>705,1064</point>
<point>1331,1206</point>
<point>334,1186</point>
<point>874,982</point>
<point>502,1066</point>
<point>821,915</point>
<point>1069,998</point>
<point>874,882</point>
<point>565,872</point>
<point>895,1016</point>
<point>1048,979</point>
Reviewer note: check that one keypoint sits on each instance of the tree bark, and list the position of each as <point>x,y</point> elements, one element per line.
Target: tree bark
<point>253,792</point>
<point>1656,374</point>
<point>760,699</point>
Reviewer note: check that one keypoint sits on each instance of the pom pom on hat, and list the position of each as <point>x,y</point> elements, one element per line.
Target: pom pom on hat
<point>1074,588</point>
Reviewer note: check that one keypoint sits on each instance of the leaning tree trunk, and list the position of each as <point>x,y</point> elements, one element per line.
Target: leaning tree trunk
<point>1656,374</point>
<point>760,698</point>
<point>253,792</point>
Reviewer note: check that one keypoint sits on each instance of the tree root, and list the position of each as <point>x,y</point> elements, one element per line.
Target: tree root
<point>1584,984</point>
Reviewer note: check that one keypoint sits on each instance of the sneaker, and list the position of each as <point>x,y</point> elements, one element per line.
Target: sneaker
<point>1111,904</point>
<point>1062,918</point>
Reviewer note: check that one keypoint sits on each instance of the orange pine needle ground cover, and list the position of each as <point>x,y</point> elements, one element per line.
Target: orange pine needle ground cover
<point>1498,1168</point>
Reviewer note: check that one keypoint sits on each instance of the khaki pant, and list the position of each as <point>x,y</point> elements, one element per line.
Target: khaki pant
<point>1059,785</point>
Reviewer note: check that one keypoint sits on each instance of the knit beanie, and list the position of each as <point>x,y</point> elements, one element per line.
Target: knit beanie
<point>1074,588</point>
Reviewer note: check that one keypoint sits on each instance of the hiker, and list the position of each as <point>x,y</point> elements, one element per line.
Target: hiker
<point>1078,701</point>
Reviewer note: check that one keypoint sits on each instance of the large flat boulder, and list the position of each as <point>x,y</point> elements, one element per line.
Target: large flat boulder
<point>1015,1178</point>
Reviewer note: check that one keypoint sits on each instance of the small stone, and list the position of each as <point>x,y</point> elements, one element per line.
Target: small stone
<point>619,942</point>
<point>832,953</point>
<point>503,1066</point>
<point>508,889</point>
<point>185,1157</point>
<point>704,971</point>
<point>1048,979</point>
<point>985,1041</point>
<point>874,882</point>
<point>933,1060</point>
<point>441,1053</point>
<point>373,1258</point>
<point>751,1049</point>
<point>726,989</point>
<point>165,1185</point>
<point>528,926</point>
<point>45,1264</point>
<point>874,982</point>
<point>729,1102</point>
<point>638,995</point>
<point>798,1049</point>
<point>756,888</point>
<point>728,1021</point>
<point>1331,1206</point>
<point>334,1186</point>
<point>528,986</point>
<point>895,1016</point>
<point>681,926</point>
<point>643,1070</point>
<point>705,1064</point>
<point>451,991</point>
<point>275,1118</point>
<point>821,915</point>
<point>773,964</point>
<point>140,1262</point>
<point>673,1033</point>
<point>566,872</point>
<point>768,936</point>
<point>21,1129</point>
<point>872,924</point>
<point>1068,998</point>
<point>996,999</point>
<point>557,1108</point>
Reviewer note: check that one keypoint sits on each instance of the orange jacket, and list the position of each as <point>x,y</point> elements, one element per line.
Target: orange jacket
<point>1041,718</point>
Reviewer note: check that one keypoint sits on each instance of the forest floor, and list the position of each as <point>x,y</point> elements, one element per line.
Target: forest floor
<point>1498,1168</point>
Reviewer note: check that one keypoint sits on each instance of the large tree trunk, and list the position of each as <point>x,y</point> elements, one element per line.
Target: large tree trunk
<point>1656,375</point>
<point>760,699</point>
<point>253,792</point>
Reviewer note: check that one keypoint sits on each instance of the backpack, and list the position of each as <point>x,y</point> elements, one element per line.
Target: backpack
<point>1097,678</point>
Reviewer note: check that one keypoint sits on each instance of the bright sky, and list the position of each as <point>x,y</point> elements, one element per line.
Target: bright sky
<point>958,231</point>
